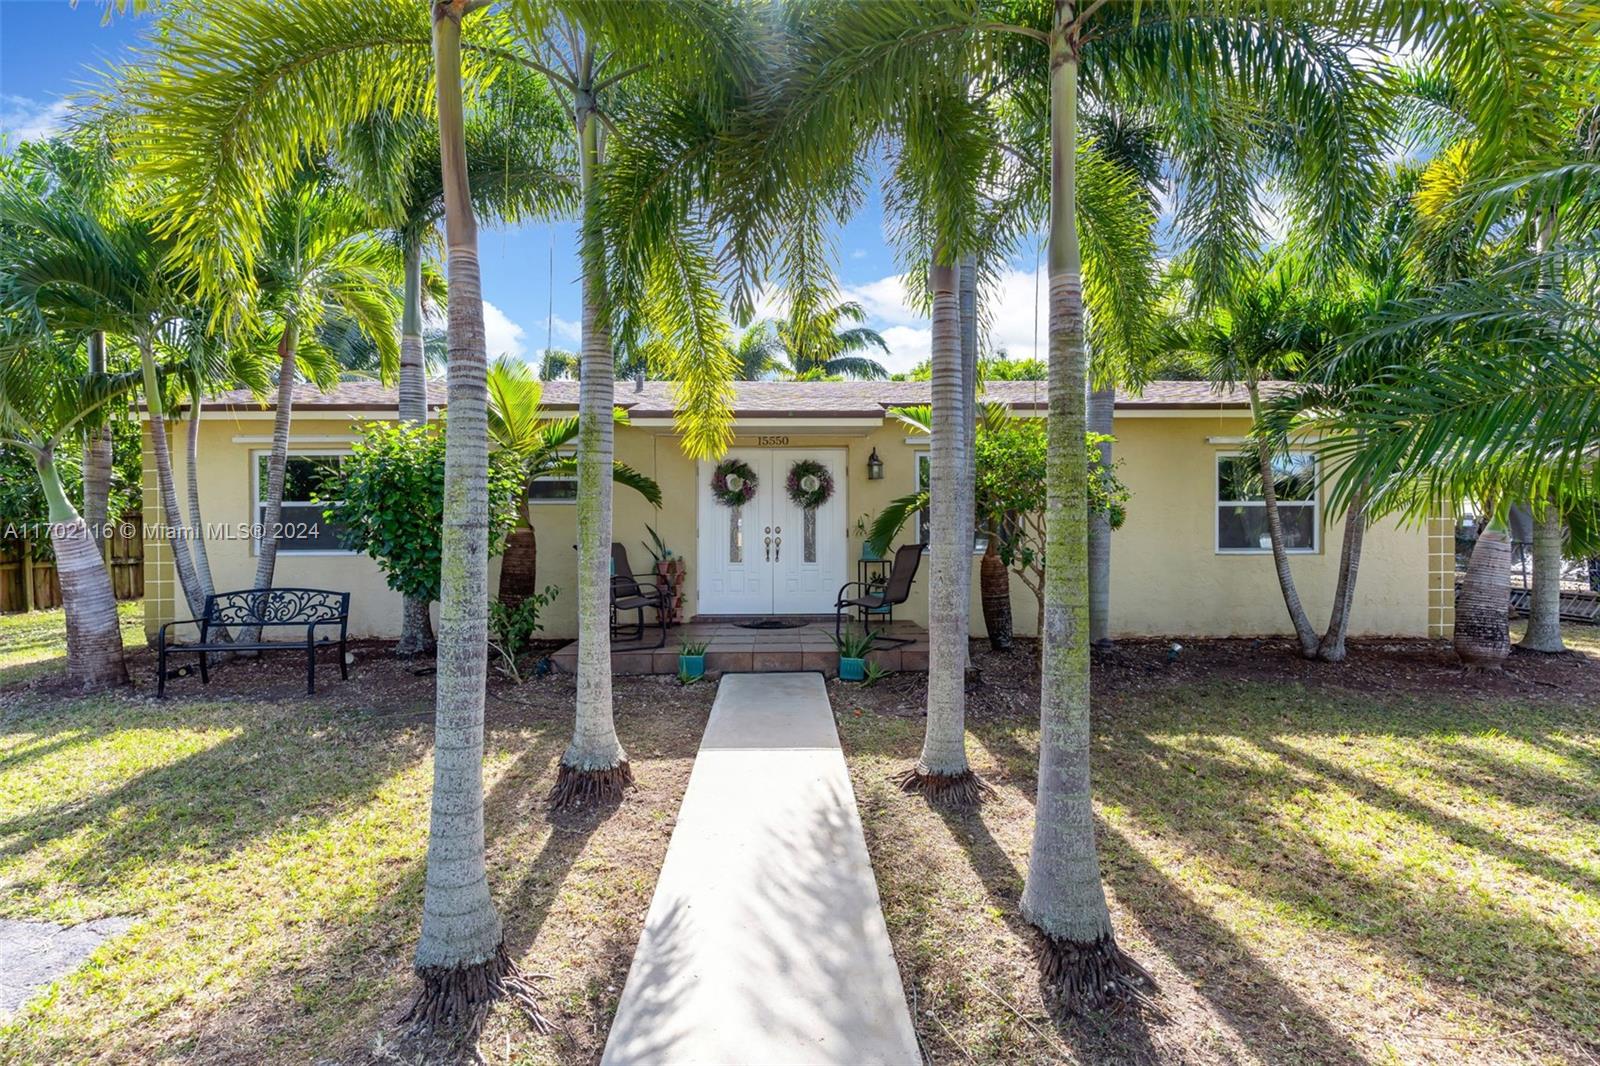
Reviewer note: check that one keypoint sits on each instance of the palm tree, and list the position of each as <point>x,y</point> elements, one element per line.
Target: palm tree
<point>461,956</point>
<point>630,78</point>
<point>826,340</point>
<point>517,424</point>
<point>81,170</point>
<point>759,352</point>
<point>78,270</point>
<point>393,161</point>
<point>317,256</point>
<point>1227,68</point>
<point>47,394</point>
<point>1264,332</point>
<point>557,363</point>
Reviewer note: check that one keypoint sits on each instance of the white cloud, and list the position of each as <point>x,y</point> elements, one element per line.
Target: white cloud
<point>25,119</point>
<point>1016,312</point>
<point>504,336</point>
<point>908,346</point>
<point>859,253</point>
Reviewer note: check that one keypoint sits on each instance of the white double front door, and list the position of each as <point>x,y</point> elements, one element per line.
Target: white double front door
<point>760,558</point>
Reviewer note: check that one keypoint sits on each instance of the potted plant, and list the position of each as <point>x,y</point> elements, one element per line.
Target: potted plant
<point>692,659</point>
<point>672,569</point>
<point>864,531</point>
<point>853,648</point>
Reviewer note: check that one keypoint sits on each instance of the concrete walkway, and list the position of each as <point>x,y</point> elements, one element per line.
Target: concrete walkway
<point>765,940</point>
<point>32,954</point>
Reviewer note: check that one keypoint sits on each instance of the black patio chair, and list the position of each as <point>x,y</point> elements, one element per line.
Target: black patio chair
<point>879,601</point>
<point>632,593</point>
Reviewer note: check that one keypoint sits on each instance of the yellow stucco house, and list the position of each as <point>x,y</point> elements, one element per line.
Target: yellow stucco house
<point>1189,561</point>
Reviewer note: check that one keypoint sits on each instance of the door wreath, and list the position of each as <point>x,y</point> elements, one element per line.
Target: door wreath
<point>810,485</point>
<point>733,484</point>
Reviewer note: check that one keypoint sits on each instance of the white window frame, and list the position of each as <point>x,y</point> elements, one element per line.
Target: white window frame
<point>257,503</point>
<point>1217,503</point>
<point>531,502</point>
<point>923,453</point>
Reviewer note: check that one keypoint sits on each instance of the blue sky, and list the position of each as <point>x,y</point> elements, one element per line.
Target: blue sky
<point>48,49</point>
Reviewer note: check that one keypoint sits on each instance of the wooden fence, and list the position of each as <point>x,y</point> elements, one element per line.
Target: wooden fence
<point>29,584</point>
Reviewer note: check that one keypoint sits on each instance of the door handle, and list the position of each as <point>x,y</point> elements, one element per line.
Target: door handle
<point>777,554</point>
<point>768,542</point>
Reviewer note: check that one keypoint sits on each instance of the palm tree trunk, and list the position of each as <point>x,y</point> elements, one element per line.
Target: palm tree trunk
<point>416,633</point>
<point>97,456</point>
<point>172,518</point>
<point>1102,405</point>
<point>94,641</point>
<point>968,298</point>
<point>1304,633</point>
<point>941,772</point>
<point>277,465</point>
<point>519,565</point>
<point>1482,634</point>
<point>995,581</point>
<point>594,766</point>
<point>1331,648</point>
<point>461,957</point>
<point>191,456</point>
<point>1064,897</point>
<point>1544,601</point>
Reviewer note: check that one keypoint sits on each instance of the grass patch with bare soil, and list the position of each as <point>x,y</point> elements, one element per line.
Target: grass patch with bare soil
<point>1379,862</point>
<point>269,848</point>
<point>34,644</point>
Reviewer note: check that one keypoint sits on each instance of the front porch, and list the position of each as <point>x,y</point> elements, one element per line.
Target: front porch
<point>733,647</point>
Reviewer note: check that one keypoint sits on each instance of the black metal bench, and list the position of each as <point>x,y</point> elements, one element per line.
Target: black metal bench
<point>307,609</point>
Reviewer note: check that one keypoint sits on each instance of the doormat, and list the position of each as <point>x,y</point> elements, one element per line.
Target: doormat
<point>770,623</point>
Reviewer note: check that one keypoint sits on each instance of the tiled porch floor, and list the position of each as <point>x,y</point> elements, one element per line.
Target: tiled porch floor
<point>733,648</point>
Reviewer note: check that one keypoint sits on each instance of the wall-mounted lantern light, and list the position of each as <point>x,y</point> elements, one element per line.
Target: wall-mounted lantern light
<point>874,467</point>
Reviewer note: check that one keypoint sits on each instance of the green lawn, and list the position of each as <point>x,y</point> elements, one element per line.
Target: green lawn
<point>1385,862</point>
<point>270,853</point>
<point>34,643</point>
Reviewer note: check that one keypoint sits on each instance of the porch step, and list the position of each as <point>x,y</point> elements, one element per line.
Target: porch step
<point>734,649</point>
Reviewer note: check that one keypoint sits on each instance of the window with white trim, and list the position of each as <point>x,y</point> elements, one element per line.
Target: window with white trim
<point>301,527</point>
<point>924,465</point>
<point>553,489</point>
<point>1242,509</point>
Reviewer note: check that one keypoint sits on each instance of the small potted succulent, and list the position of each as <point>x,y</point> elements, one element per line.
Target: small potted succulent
<point>692,659</point>
<point>853,648</point>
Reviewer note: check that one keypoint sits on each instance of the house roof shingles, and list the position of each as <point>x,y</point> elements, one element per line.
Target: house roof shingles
<point>764,399</point>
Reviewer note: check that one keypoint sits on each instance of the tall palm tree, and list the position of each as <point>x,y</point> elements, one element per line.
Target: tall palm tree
<point>517,424</point>
<point>630,77</point>
<point>1235,64</point>
<point>393,161</point>
<point>78,270</point>
<point>48,393</point>
<point>461,956</point>
<point>318,256</point>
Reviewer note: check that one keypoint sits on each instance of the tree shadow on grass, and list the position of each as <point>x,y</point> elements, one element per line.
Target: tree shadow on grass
<point>1456,829</point>
<point>1268,1014</point>
<point>355,988</point>
<point>1122,1037</point>
<point>1236,816</point>
<point>283,764</point>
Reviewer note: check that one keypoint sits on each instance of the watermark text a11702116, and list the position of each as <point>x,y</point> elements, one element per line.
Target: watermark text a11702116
<point>218,531</point>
